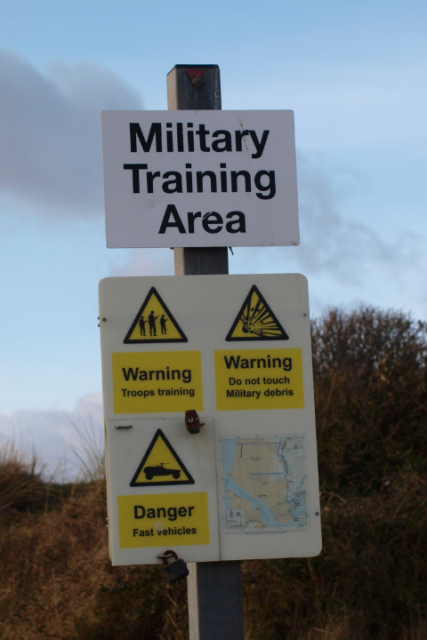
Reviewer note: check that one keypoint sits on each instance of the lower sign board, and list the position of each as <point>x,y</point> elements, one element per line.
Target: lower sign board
<point>236,349</point>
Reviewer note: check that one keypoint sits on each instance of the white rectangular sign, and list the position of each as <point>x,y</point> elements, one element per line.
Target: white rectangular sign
<point>236,349</point>
<point>199,178</point>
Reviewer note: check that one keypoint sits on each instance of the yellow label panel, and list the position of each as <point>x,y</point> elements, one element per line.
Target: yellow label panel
<point>248,379</point>
<point>165,520</point>
<point>157,382</point>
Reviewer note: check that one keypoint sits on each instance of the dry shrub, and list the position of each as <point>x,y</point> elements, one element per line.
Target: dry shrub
<point>370,581</point>
<point>58,583</point>
<point>371,400</point>
<point>21,487</point>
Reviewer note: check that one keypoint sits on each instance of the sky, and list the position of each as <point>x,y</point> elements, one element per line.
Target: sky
<point>353,73</point>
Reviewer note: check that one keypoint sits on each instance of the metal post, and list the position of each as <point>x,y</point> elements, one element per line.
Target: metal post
<point>215,597</point>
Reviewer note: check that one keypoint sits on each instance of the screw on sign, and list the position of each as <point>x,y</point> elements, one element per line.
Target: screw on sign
<point>174,567</point>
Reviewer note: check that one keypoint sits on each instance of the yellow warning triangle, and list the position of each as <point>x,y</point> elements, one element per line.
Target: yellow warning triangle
<point>256,321</point>
<point>161,465</point>
<point>154,323</point>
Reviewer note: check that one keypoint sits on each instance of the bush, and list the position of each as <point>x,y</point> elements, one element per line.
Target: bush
<point>371,400</point>
<point>370,581</point>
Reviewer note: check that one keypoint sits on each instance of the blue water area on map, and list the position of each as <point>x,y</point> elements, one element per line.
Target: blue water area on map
<point>293,455</point>
<point>299,511</point>
<point>228,457</point>
<point>265,512</point>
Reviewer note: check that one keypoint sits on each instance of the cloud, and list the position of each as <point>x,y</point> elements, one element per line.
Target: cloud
<point>50,151</point>
<point>347,261</point>
<point>90,407</point>
<point>63,441</point>
<point>332,240</point>
<point>334,243</point>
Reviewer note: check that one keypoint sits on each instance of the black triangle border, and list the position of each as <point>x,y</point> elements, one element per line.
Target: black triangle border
<point>252,339</point>
<point>159,434</point>
<point>171,317</point>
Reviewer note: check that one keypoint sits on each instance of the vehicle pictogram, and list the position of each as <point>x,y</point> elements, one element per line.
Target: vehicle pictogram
<point>161,465</point>
<point>160,470</point>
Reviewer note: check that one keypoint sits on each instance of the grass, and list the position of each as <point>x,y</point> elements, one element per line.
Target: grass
<point>370,581</point>
<point>21,486</point>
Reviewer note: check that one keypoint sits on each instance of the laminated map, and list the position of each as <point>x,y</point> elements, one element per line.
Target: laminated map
<point>264,483</point>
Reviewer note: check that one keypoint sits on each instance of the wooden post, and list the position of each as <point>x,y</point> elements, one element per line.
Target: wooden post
<point>200,92</point>
<point>215,597</point>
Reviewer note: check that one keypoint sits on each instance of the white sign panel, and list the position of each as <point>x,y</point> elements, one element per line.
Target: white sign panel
<point>161,491</point>
<point>199,178</point>
<point>237,350</point>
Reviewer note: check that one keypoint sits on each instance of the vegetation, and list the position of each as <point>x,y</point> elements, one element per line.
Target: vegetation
<point>371,406</point>
<point>370,581</point>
